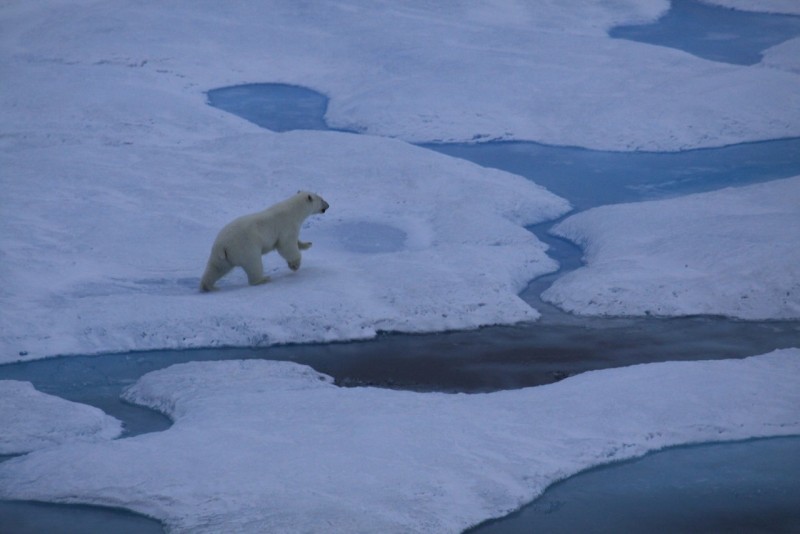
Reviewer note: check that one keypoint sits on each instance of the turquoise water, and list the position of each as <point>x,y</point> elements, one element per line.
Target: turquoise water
<point>744,487</point>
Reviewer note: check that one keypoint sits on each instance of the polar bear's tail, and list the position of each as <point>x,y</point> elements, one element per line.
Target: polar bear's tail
<point>217,267</point>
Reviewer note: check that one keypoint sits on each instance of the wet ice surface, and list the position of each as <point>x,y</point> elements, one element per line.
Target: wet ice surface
<point>368,237</point>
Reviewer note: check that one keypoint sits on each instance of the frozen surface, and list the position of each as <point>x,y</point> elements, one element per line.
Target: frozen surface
<point>108,252</point>
<point>275,446</point>
<point>734,252</point>
<point>31,420</point>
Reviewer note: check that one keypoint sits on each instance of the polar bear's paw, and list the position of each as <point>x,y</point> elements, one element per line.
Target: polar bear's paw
<point>294,264</point>
<point>303,246</point>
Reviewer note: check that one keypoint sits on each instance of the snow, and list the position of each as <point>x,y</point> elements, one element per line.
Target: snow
<point>784,56</point>
<point>260,446</point>
<point>31,420</point>
<point>733,252</point>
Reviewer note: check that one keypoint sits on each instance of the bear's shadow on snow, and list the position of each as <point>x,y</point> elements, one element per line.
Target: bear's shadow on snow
<point>120,286</point>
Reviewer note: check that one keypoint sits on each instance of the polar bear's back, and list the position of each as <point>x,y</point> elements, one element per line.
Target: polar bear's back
<point>261,229</point>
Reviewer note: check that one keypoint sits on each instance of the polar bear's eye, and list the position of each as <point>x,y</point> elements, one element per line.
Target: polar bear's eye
<point>310,199</point>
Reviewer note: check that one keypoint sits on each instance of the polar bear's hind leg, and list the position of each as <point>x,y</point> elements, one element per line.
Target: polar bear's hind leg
<point>254,268</point>
<point>217,268</point>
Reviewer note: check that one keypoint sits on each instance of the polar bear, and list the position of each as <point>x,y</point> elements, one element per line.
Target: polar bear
<point>244,240</point>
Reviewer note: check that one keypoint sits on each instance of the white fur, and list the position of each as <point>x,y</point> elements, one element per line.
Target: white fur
<point>243,241</point>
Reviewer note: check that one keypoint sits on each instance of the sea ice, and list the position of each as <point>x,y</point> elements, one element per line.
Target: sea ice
<point>733,252</point>
<point>31,420</point>
<point>107,254</point>
<point>264,446</point>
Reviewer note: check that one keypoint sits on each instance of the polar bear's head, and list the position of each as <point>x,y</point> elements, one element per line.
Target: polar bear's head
<point>315,203</point>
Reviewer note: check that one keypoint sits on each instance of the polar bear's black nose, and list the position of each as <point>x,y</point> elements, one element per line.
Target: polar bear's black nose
<point>325,206</point>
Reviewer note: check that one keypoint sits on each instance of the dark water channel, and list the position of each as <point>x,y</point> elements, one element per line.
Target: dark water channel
<point>749,486</point>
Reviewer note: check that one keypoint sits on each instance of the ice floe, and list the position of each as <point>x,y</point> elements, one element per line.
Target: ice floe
<point>733,252</point>
<point>31,420</point>
<point>260,446</point>
<point>107,254</point>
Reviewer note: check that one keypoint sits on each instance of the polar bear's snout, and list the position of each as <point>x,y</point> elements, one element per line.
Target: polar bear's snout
<point>315,200</point>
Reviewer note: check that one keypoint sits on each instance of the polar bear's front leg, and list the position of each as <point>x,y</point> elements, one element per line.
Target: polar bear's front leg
<point>291,253</point>
<point>303,246</point>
